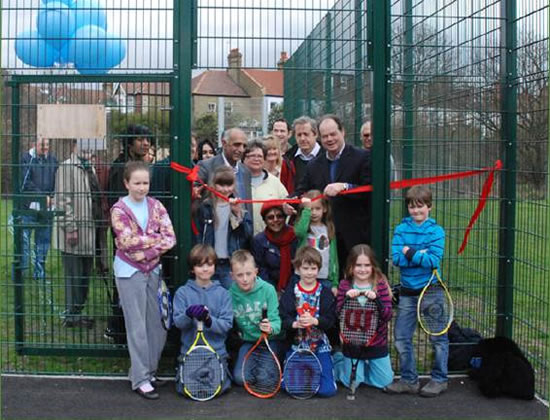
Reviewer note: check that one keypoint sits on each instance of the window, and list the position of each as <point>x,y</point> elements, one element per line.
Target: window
<point>211,107</point>
<point>228,107</point>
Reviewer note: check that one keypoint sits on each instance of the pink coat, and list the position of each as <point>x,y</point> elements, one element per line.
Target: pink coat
<point>140,249</point>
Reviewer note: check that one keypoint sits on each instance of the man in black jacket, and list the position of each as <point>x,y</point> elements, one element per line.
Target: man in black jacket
<point>340,167</point>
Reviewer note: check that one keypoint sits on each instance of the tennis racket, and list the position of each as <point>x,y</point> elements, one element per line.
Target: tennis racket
<point>202,373</point>
<point>302,373</point>
<point>261,369</point>
<point>358,328</point>
<point>435,307</point>
<point>165,305</point>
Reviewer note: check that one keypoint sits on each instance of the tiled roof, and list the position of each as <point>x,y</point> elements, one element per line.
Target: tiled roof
<point>216,83</point>
<point>270,80</point>
<point>146,88</point>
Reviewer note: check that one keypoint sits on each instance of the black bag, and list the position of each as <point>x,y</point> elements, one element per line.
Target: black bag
<point>462,343</point>
<point>502,369</point>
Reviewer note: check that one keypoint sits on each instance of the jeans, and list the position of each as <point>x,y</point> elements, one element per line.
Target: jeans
<point>405,325</point>
<point>42,238</point>
<point>223,273</point>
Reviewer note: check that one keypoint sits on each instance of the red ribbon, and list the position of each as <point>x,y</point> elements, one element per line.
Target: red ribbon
<point>192,176</point>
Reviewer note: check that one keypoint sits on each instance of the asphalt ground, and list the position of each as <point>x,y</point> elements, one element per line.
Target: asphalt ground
<point>28,397</point>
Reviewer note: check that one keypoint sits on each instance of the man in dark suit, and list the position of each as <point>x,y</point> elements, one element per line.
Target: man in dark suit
<point>234,142</point>
<point>340,167</point>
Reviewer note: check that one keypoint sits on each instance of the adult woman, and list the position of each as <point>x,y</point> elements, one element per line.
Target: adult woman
<point>274,248</point>
<point>264,185</point>
<point>278,165</point>
<point>206,150</point>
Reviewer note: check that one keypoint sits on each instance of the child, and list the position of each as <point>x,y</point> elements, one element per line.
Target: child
<point>225,226</point>
<point>311,294</point>
<point>417,249</point>
<point>363,274</point>
<point>250,294</point>
<point>143,232</point>
<point>203,300</point>
<point>315,227</point>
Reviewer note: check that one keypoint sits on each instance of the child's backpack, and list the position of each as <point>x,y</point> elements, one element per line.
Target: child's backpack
<point>500,368</point>
<point>462,344</point>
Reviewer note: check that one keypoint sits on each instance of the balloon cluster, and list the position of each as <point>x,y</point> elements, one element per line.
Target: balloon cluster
<point>71,31</point>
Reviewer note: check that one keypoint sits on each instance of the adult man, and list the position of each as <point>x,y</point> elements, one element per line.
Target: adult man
<point>339,168</point>
<point>78,198</point>
<point>366,136</point>
<point>233,144</point>
<point>281,130</point>
<point>38,184</point>
<point>306,147</point>
<point>136,141</point>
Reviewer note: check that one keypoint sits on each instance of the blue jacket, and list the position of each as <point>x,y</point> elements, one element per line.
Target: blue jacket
<point>268,258</point>
<point>239,232</point>
<point>219,304</point>
<point>38,175</point>
<point>427,242</point>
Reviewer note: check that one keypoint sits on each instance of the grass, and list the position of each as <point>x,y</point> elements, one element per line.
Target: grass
<point>472,278</point>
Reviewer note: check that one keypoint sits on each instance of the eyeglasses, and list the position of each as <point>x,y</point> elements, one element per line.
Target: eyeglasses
<point>249,156</point>
<point>272,217</point>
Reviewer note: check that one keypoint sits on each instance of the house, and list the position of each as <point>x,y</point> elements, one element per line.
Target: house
<point>246,96</point>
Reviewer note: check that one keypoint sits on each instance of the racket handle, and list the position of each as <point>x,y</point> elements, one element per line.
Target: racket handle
<point>264,313</point>
<point>200,326</point>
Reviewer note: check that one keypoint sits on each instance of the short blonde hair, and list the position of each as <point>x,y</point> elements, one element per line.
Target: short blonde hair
<point>241,256</point>
<point>270,142</point>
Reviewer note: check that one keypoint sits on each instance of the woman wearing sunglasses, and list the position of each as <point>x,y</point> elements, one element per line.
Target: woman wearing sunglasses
<point>274,248</point>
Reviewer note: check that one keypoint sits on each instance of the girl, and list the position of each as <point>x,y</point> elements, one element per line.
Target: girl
<point>143,232</point>
<point>363,274</point>
<point>203,300</point>
<point>225,226</point>
<point>314,227</point>
<point>278,165</point>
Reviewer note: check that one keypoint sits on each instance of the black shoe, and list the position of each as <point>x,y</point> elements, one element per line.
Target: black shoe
<point>158,383</point>
<point>151,395</point>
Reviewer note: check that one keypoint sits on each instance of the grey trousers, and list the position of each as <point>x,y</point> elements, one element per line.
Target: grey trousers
<point>78,269</point>
<point>144,332</point>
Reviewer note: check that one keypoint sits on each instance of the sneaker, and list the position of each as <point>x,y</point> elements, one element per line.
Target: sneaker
<point>402,387</point>
<point>158,383</point>
<point>433,389</point>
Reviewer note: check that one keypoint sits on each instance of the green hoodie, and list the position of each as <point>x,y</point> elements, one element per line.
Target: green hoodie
<point>247,309</point>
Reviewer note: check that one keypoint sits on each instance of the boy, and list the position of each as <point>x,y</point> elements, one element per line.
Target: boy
<point>417,249</point>
<point>309,305</point>
<point>250,294</point>
<point>206,301</point>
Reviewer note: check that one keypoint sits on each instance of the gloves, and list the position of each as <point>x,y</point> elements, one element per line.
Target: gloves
<point>200,313</point>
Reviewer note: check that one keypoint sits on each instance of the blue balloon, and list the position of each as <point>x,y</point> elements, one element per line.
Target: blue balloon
<point>94,50</point>
<point>56,23</point>
<point>35,51</point>
<point>90,12</point>
<point>67,2</point>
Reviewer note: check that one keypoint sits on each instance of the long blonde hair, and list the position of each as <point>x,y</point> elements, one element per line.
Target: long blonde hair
<point>327,215</point>
<point>354,254</point>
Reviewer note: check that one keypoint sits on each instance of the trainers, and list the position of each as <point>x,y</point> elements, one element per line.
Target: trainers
<point>402,387</point>
<point>433,389</point>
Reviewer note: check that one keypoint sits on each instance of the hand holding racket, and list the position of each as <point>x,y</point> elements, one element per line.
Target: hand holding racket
<point>359,323</point>
<point>435,307</point>
<point>202,371</point>
<point>261,369</point>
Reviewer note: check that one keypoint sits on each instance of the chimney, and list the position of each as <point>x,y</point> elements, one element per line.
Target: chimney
<point>282,60</point>
<point>234,64</point>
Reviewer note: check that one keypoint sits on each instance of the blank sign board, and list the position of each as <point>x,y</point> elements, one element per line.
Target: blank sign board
<point>71,121</point>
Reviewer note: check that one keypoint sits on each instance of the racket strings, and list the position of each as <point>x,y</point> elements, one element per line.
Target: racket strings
<point>358,323</point>
<point>435,309</point>
<point>202,373</point>
<point>302,375</point>
<point>261,372</point>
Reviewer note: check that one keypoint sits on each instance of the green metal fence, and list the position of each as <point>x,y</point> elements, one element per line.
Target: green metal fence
<point>449,87</point>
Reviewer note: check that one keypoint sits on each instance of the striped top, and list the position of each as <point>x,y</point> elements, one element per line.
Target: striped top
<point>379,345</point>
<point>427,243</point>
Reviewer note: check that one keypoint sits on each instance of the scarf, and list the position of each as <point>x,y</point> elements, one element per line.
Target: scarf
<point>284,243</point>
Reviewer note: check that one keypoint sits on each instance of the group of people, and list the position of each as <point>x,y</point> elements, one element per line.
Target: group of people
<point>248,255</point>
